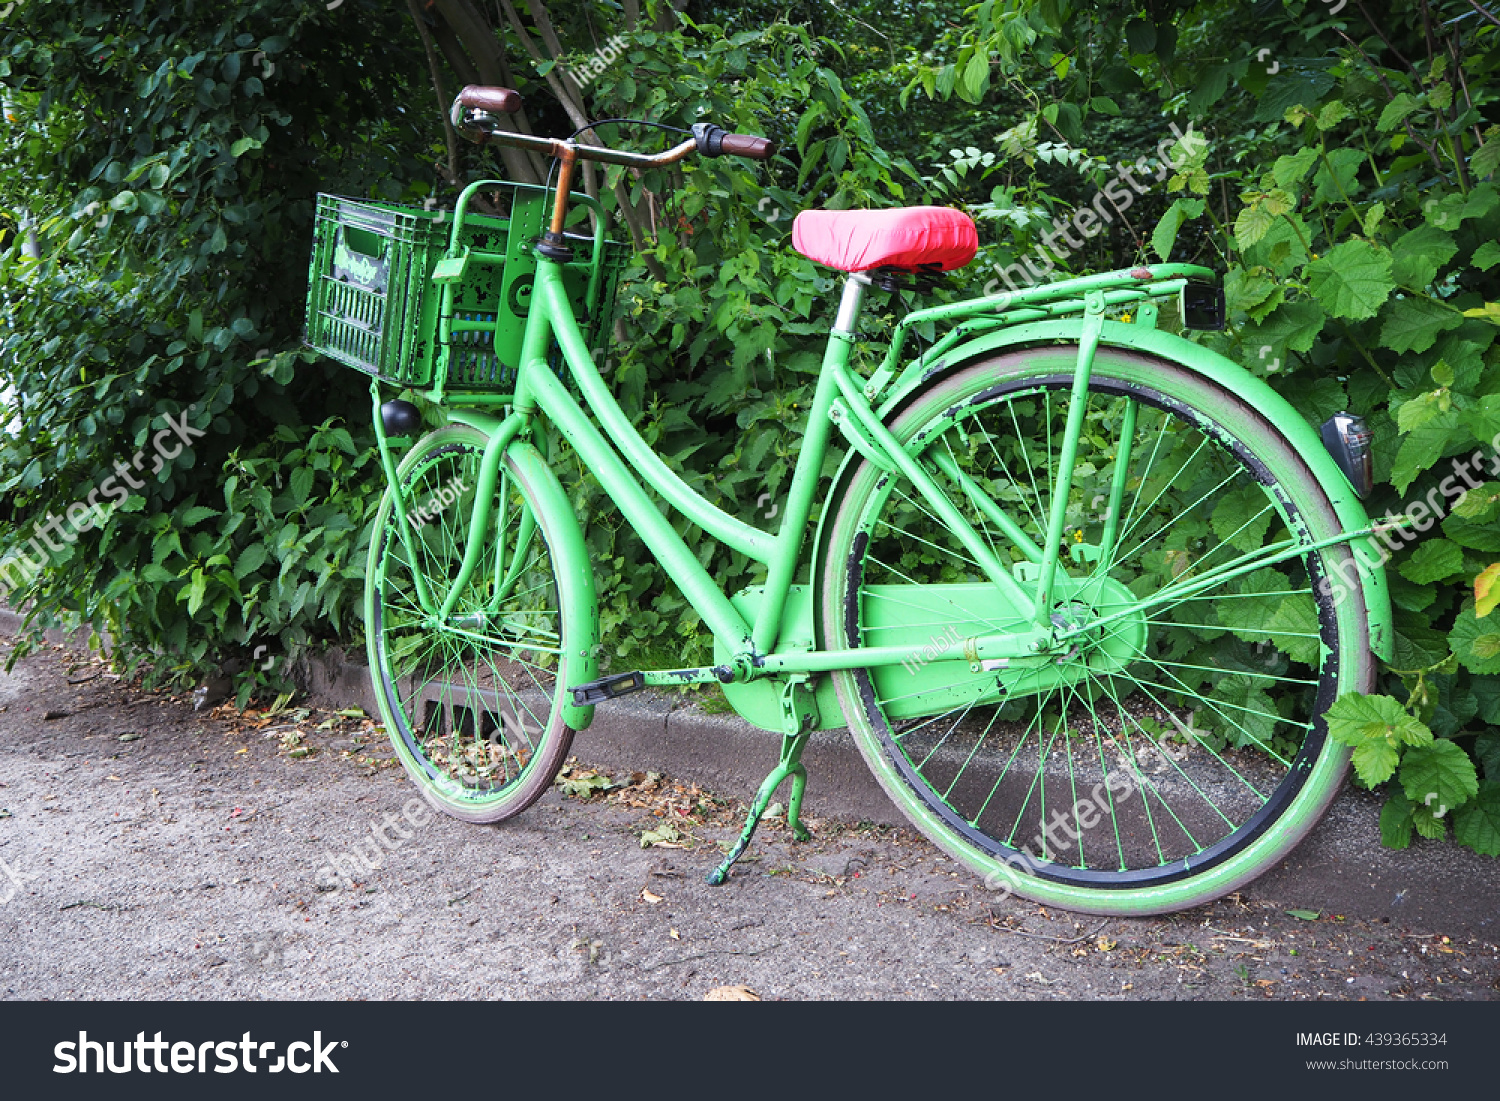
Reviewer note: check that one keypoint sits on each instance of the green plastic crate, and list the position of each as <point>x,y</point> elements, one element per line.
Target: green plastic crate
<point>372,304</point>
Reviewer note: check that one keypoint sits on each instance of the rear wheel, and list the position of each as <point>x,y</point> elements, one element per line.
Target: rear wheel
<point>1163,757</point>
<point>473,704</point>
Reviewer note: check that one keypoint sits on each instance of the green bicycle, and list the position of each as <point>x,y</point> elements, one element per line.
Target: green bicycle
<point>1081,589</point>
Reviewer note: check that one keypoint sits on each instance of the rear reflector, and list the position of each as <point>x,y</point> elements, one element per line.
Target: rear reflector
<point>1348,441</point>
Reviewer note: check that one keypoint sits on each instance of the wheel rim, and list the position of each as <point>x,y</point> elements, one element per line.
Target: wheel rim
<point>470,701</point>
<point>1216,739</point>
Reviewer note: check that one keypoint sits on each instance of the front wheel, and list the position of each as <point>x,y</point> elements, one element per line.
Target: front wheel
<point>474,701</point>
<point>1175,747</point>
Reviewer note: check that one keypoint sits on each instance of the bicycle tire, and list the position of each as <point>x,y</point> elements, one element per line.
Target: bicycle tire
<point>1267,779</point>
<point>475,713</point>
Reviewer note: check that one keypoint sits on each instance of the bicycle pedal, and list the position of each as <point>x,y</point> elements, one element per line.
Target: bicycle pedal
<point>607,688</point>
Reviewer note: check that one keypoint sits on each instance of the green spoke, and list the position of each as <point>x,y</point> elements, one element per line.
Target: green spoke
<point>1234,672</point>
<point>1218,707</point>
<point>1197,845</point>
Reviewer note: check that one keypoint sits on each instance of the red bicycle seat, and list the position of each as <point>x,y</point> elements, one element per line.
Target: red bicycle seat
<point>909,238</point>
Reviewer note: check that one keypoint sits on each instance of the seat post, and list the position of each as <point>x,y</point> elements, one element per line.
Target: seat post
<point>854,294</point>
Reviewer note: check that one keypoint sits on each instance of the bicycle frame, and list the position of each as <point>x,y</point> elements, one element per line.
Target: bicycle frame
<point>841,398</point>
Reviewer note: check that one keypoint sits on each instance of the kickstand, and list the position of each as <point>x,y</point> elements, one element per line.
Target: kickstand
<point>798,718</point>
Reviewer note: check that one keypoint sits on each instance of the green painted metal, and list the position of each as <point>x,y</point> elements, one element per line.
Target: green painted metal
<point>1298,432</point>
<point>538,385</point>
<point>569,553</point>
<point>799,502</point>
<point>1007,639</point>
<point>484,504</point>
<point>759,701</point>
<point>932,494</point>
<point>1087,343</point>
<point>1117,484</point>
<point>749,541</point>
<point>571,557</point>
<point>798,719</point>
<point>986,504</point>
<point>398,499</point>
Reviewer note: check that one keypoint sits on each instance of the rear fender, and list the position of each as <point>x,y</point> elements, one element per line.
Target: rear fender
<point>1291,424</point>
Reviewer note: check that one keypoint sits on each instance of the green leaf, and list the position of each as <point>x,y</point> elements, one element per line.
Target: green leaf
<point>1293,169</point>
<point>1427,822</point>
<point>244,145</point>
<point>1453,210</point>
<point>1338,176</point>
<point>1242,517</point>
<point>1486,590</point>
<point>1375,762</point>
<point>1486,255</point>
<point>1293,325</point>
<point>1305,915</point>
<point>1395,820</point>
<point>1477,822</point>
<point>197,588</point>
<point>1433,560</point>
<point>1484,160</point>
<point>196,514</point>
<point>1140,35</point>
<point>1396,111</point>
<point>1419,410</point>
<point>1419,253</point>
<point>1438,774</point>
<point>1376,726</point>
<point>1414,324</point>
<point>251,559</point>
<point>302,483</point>
<point>1332,113</point>
<point>1424,446</point>
<point>1165,233</point>
<point>1479,503</point>
<point>1252,224</point>
<point>1487,751</point>
<point>1209,90</point>
<point>1476,644</point>
<point>1353,280</point>
<point>976,77</point>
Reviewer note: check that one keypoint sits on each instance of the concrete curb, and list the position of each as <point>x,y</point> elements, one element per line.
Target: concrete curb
<point>649,730</point>
<point>1340,868</point>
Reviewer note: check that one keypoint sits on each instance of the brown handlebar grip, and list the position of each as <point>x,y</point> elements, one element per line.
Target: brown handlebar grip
<point>748,145</point>
<point>499,101</point>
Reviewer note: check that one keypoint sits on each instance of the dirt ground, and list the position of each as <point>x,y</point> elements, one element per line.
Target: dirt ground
<point>148,851</point>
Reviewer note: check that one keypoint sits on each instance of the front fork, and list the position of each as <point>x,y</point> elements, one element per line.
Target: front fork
<point>501,433</point>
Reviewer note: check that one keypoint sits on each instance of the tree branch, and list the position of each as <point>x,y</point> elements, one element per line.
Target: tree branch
<point>1474,4</point>
<point>437,86</point>
<point>1376,28</point>
<point>474,38</point>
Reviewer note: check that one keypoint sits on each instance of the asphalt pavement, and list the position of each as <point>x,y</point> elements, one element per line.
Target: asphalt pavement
<point>148,851</point>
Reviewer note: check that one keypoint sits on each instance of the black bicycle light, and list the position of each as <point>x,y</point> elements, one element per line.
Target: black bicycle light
<point>400,418</point>
<point>1348,441</point>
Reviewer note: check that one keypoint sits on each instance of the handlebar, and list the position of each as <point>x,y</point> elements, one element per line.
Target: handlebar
<point>475,109</point>
<point>502,101</point>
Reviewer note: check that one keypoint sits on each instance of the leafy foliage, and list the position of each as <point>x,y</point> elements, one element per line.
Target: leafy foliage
<point>165,159</point>
<point>1349,197</point>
